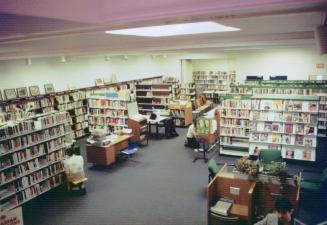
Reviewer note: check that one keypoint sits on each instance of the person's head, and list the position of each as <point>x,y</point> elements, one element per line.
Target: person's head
<point>284,210</point>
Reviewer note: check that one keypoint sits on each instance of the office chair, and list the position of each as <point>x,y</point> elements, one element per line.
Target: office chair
<point>224,220</point>
<point>267,156</point>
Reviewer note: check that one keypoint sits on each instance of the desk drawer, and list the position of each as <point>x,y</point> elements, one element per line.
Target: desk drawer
<point>120,146</point>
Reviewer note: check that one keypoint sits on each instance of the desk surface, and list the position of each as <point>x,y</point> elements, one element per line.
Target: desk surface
<point>119,139</point>
<point>157,120</point>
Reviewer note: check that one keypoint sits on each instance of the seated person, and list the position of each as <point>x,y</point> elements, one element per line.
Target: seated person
<point>283,214</point>
<point>192,138</point>
<point>170,130</point>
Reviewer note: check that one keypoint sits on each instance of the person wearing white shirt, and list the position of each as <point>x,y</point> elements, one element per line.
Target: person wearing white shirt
<point>192,138</point>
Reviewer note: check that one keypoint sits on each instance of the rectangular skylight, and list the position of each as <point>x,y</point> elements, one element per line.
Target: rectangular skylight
<point>175,29</point>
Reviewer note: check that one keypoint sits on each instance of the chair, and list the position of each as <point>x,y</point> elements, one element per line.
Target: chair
<point>314,191</point>
<point>314,186</point>
<point>224,220</point>
<point>213,168</point>
<point>268,156</point>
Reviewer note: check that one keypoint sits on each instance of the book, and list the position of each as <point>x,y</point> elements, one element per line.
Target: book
<point>222,207</point>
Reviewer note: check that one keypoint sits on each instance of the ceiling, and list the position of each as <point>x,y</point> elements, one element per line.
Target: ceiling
<point>41,28</point>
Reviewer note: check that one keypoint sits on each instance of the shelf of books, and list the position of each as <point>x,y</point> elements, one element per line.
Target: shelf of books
<point>280,89</point>
<point>176,91</point>
<point>108,110</point>
<point>153,97</point>
<point>31,153</point>
<point>181,111</point>
<point>187,91</point>
<point>234,125</point>
<point>287,123</point>
<point>25,107</point>
<point>75,104</point>
<point>286,82</point>
<point>322,116</point>
<point>213,81</point>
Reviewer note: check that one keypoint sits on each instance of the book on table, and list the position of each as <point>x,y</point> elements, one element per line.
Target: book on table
<point>222,207</point>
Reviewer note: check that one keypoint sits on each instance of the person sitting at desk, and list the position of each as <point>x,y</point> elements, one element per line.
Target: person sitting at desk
<point>283,214</point>
<point>192,138</point>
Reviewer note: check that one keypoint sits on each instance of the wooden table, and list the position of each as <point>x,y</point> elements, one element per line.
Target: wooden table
<point>106,155</point>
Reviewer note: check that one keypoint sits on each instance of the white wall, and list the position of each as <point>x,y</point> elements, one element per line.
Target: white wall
<point>82,71</point>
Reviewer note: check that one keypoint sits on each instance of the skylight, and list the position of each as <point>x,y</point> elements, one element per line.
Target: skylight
<point>175,29</point>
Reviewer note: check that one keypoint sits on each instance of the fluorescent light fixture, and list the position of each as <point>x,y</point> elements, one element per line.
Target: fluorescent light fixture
<point>175,29</point>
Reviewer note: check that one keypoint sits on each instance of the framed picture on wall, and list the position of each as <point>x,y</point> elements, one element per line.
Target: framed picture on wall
<point>34,90</point>
<point>48,88</point>
<point>22,92</point>
<point>10,93</point>
<point>99,81</point>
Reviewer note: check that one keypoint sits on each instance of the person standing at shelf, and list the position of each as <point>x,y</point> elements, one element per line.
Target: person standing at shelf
<point>282,215</point>
<point>192,138</point>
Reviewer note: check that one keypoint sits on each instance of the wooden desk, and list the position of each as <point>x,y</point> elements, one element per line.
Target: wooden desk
<point>106,155</point>
<point>243,202</point>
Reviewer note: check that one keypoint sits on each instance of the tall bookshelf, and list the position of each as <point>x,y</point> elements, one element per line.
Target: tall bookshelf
<point>152,97</point>
<point>286,123</point>
<point>234,125</point>
<point>187,91</point>
<point>107,111</point>
<point>213,81</point>
<point>31,153</point>
<point>74,102</point>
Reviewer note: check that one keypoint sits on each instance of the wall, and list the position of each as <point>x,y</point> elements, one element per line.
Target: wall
<point>81,72</point>
<point>296,63</point>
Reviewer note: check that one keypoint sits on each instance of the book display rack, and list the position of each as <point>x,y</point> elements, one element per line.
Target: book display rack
<point>234,125</point>
<point>31,153</point>
<point>152,97</point>
<point>285,123</point>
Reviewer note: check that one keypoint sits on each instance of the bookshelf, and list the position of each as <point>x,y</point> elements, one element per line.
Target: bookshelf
<point>108,110</point>
<point>234,125</point>
<point>181,112</point>
<point>187,91</point>
<point>213,81</point>
<point>74,102</point>
<point>21,108</point>
<point>322,116</point>
<point>31,153</point>
<point>153,97</point>
<point>139,128</point>
<point>285,123</point>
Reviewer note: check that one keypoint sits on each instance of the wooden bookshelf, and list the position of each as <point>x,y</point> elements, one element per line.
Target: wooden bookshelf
<point>181,112</point>
<point>140,130</point>
<point>286,123</point>
<point>234,125</point>
<point>152,97</point>
<point>31,153</point>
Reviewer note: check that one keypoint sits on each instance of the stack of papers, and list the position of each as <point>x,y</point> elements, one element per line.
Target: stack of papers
<point>222,207</point>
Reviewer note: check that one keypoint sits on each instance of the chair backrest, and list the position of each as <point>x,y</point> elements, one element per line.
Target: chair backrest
<point>212,166</point>
<point>224,220</point>
<point>267,156</point>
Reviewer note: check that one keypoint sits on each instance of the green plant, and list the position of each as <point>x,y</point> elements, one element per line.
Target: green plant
<point>245,165</point>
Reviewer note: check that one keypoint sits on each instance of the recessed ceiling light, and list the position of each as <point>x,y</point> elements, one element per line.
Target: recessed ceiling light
<point>175,29</point>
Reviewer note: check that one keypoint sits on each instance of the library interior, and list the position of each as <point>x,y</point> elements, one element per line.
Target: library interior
<point>176,112</point>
